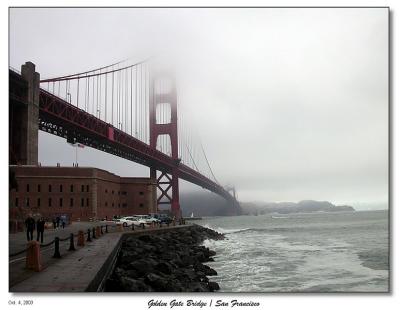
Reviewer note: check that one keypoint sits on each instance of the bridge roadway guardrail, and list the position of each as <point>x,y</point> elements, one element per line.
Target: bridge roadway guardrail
<point>34,250</point>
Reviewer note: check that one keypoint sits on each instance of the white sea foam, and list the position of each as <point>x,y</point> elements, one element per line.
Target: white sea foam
<point>225,230</point>
<point>313,254</point>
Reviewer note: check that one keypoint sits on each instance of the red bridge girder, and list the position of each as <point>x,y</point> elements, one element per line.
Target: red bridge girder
<point>61,118</point>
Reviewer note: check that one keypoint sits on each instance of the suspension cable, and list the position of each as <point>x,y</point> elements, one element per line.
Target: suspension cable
<point>215,179</point>
<point>79,76</point>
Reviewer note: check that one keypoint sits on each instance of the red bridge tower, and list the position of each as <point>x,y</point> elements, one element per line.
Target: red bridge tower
<point>163,92</point>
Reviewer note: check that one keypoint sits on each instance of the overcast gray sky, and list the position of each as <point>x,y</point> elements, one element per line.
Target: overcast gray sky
<point>290,104</point>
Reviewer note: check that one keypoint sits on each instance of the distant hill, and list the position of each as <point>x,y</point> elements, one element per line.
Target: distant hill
<point>204,204</point>
<point>209,204</point>
<point>303,206</point>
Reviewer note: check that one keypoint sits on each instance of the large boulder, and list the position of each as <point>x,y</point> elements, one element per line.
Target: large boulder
<point>213,286</point>
<point>143,266</point>
<point>157,282</point>
<point>134,285</point>
<point>206,269</point>
<point>146,238</point>
<point>164,267</point>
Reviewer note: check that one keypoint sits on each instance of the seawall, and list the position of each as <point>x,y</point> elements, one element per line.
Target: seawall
<point>91,267</point>
<point>169,261</point>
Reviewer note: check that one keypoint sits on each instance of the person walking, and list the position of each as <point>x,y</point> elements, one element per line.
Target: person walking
<point>58,221</point>
<point>63,224</point>
<point>54,223</point>
<point>30,227</point>
<point>40,229</point>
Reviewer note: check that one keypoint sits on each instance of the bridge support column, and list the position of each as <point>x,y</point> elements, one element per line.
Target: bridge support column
<point>24,120</point>
<point>168,179</point>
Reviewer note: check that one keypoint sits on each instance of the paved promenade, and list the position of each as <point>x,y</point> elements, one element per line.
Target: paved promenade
<point>74,272</point>
<point>76,269</point>
<point>17,242</point>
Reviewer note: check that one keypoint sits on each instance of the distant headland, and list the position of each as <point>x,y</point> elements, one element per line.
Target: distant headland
<point>203,204</point>
<point>304,206</point>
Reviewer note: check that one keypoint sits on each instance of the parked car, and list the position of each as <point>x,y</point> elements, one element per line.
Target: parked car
<point>147,218</point>
<point>129,220</point>
<point>163,218</point>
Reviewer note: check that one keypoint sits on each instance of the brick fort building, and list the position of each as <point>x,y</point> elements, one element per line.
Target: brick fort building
<point>79,193</point>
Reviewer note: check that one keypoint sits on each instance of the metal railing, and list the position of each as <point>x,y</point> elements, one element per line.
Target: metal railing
<point>91,235</point>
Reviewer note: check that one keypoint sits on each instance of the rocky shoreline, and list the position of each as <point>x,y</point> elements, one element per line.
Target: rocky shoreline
<point>169,261</point>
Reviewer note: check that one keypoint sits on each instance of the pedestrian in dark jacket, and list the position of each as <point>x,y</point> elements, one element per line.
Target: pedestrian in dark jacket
<point>54,223</point>
<point>30,227</point>
<point>58,221</point>
<point>40,229</point>
<point>63,224</point>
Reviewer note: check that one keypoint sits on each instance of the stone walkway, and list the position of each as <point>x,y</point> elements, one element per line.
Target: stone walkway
<point>17,241</point>
<point>75,270</point>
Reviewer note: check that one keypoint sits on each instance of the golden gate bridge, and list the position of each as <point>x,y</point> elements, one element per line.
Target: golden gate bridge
<point>126,109</point>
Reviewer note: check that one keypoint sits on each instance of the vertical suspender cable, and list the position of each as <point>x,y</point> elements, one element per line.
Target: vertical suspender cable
<point>123,98</point>
<point>120,99</point>
<point>98,96</point>
<point>136,99</point>
<point>87,90</point>
<point>101,103</point>
<point>140,103</point>
<point>112,99</point>
<point>105,101</point>
<point>77,96</point>
<point>131,100</point>
<point>93,97</point>
<point>146,85</point>
<point>126,100</point>
<point>117,99</point>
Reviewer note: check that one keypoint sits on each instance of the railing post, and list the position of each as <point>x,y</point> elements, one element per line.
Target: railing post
<point>33,257</point>
<point>88,236</point>
<point>57,248</point>
<point>71,243</point>
<point>81,238</point>
<point>98,234</point>
<point>94,233</point>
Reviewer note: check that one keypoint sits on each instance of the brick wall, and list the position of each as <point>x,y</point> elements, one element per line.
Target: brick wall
<point>80,193</point>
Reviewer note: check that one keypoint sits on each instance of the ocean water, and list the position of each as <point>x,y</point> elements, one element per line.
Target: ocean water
<point>317,252</point>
